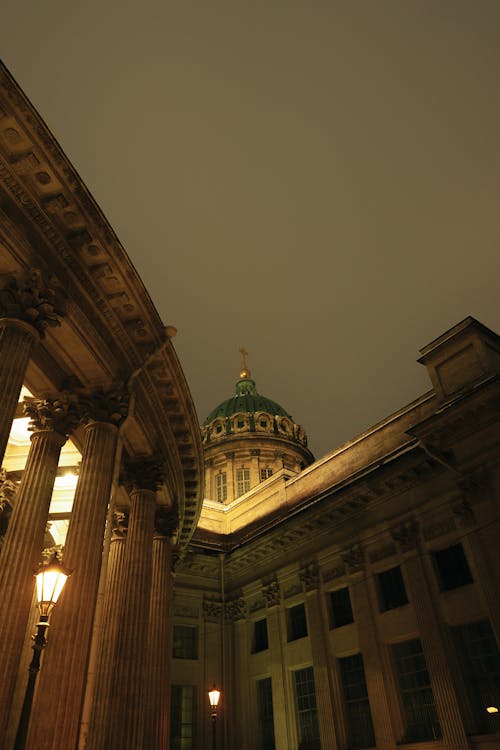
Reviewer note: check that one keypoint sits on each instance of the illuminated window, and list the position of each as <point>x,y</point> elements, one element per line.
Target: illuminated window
<point>221,486</point>
<point>185,642</point>
<point>479,660</point>
<point>265,473</point>
<point>182,717</point>
<point>356,701</point>
<point>416,693</point>
<point>242,481</point>
<point>307,712</point>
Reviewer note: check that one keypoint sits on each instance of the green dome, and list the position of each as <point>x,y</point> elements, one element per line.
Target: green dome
<point>247,401</point>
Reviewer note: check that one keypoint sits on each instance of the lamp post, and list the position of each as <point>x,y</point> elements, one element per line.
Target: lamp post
<point>50,580</point>
<point>213,697</point>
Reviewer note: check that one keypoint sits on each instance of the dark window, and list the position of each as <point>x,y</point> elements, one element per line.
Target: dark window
<point>265,474</point>
<point>479,660</point>
<point>341,608</point>
<point>185,642</point>
<point>263,423</point>
<point>297,623</point>
<point>260,642</point>
<point>306,709</point>
<point>392,589</point>
<point>452,568</point>
<point>356,700</point>
<point>241,423</point>
<point>218,428</point>
<point>266,719</point>
<point>416,694</point>
<point>182,717</point>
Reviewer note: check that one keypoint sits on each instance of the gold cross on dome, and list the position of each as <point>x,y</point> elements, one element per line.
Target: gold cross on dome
<point>244,354</point>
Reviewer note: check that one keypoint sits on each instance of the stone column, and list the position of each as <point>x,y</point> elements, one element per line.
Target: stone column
<point>239,730</point>
<point>435,646</point>
<point>382,702</point>
<point>330,709</point>
<point>272,595</point>
<point>127,707</point>
<point>51,422</point>
<point>160,636</point>
<point>27,309</point>
<point>113,595</point>
<point>61,683</point>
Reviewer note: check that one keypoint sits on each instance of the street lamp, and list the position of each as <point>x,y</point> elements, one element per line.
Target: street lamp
<point>213,697</point>
<point>50,580</point>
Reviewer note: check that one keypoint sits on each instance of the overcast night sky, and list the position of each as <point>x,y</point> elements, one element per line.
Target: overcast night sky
<point>316,181</point>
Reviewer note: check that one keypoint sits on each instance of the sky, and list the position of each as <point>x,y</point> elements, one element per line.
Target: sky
<point>316,181</point>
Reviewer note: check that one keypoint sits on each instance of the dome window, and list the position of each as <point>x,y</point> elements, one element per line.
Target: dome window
<point>263,422</point>
<point>218,428</point>
<point>240,423</point>
<point>243,481</point>
<point>221,486</point>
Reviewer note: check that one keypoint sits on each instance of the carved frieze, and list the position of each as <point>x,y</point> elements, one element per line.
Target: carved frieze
<point>271,591</point>
<point>236,609</point>
<point>353,559</point>
<point>406,535</point>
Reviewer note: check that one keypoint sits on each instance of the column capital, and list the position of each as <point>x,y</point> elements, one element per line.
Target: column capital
<point>147,473</point>
<point>212,609</point>
<point>309,576</point>
<point>30,299</point>
<point>353,559</point>
<point>59,414</point>
<point>272,592</point>
<point>119,523</point>
<point>110,407</point>
<point>166,522</point>
<point>406,535</point>
<point>236,609</point>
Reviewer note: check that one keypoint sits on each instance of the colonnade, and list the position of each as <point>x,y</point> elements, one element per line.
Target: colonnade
<point>134,647</point>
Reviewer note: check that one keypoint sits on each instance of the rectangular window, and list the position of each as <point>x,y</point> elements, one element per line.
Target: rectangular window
<point>182,717</point>
<point>242,481</point>
<point>359,717</point>
<point>307,713</point>
<point>265,474</point>
<point>266,717</point>
<point>416,694</point>
<point>341,609</point>
<point>452,568</point>
<point>479,660</point>
<point>391,589</point>
<point>185,642</point>
<point>260,642</point>
<point>221,486</point>
<point>296,622</point>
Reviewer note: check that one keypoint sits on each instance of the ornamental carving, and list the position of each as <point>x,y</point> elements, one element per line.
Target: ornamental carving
<point>236,609</point>
<point>31,300</point>
<point>119,523</point>
<point>309,576</point>
<point>353,559</point>
<point>271,591</point>
<point>212,609</point>
<point>111,406</point>
<point>59,414</point>
<point>406,535</point>
<point>143,474</point>
<point>7,497</point>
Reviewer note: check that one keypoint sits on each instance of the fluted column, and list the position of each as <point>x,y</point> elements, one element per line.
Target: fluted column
<point>27,308</point>
<point>330,711</point>
<point>51,422</point>
<point>272,595</point>
<point>372,650</point>
<point>58,702</point>
<point>159,661</point>
<point>127,711</point>
<point>435,647</point>
<point>113,596</point>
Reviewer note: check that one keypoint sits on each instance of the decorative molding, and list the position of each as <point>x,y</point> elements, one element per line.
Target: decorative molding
<point>353,559</point>
<point>272,593</point>
<point>380,553</point>
<point>406,535</point>
<point>439,528</point>
<point>309,576</point>
<point>32,300</point>
<point>236,609</point>
<point>212,609</point>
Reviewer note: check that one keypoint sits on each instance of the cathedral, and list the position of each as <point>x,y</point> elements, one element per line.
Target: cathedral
<point>335,604</point>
